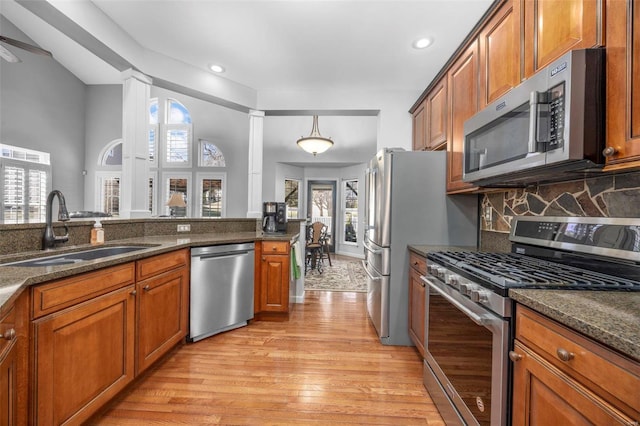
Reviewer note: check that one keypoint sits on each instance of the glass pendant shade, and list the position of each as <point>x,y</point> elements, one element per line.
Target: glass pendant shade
<point>315,143</point>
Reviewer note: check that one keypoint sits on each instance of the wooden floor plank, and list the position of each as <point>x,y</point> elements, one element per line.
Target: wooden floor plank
<point>325,365</point>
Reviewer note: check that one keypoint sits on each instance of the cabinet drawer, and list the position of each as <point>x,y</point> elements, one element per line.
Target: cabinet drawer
<point>275,247</point>
<point>582,358</point>
<point>161,263</point>
<point>418,262</point>
<point>66,292</point>
<point>7,330</point>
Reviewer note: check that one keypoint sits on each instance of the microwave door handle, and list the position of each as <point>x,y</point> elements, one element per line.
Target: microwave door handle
<point>533,121</point>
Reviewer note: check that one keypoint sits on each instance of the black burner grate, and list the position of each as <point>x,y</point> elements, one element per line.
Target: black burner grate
<point>514,270</point>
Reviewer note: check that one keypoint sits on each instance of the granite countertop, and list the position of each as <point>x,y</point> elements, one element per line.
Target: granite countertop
<point>610,317</point>
<point>14,279</point>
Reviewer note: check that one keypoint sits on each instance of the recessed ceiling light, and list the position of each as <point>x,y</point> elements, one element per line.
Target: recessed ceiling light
<point>216,68</point>
<point>421,43</point>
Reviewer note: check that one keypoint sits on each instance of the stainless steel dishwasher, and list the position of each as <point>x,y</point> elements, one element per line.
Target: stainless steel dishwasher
<point>221,289</point>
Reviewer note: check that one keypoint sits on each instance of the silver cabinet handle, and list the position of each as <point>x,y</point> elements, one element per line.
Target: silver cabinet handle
<point>146,287</point>
<point>564,355</point>
<point>609,151</point>
<point>10,334</point>
<point>514,356</point>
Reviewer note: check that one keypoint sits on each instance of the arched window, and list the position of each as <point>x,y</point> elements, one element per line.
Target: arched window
<point>210,155</point>
<point>177,135</point>
<point>111,154</point>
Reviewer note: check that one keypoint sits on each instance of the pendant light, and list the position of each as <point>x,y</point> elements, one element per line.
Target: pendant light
<point>315,143</point>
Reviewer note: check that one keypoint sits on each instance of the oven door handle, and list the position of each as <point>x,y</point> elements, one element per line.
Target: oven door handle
<point>480,320</point>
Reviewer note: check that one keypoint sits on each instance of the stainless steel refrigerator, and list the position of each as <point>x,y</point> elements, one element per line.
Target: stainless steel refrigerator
<point>406,203</point>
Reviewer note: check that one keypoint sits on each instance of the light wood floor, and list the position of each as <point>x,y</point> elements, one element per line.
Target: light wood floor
<point>324,366</point>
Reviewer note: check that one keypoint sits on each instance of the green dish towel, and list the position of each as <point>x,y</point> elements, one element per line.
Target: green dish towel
<point>294,263</point>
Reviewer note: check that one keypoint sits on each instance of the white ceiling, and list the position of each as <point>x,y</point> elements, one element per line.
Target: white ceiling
<point>292,44</point>
<point>269,45</point>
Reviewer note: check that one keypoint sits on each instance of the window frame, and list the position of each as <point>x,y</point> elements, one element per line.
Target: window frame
<point>345,211</point>
<point>166,128</point>
<point>166,192</point>
<point>27,160</point>
<point>101,176</point>
<point>200,177</point>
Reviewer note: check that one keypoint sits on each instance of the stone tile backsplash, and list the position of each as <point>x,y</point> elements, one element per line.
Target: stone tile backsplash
<point>603,196</point>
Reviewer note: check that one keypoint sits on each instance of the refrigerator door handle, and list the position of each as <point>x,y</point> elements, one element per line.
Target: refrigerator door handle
<point>371,249</point>
<point>364,265</point>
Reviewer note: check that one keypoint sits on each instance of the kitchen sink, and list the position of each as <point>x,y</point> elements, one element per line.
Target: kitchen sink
<point>78,256</point>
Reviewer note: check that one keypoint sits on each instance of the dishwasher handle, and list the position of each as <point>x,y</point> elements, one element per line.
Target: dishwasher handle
<point>220,255</point>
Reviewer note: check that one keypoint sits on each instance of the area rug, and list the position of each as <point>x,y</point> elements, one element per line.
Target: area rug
<point>343,275</point>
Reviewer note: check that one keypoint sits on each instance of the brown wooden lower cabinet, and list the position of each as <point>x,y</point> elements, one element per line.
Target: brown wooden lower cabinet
<point>163,315</point>
<point>87,352</point>
<point>563,378</point>
<point>83,357</point>
<point>417,301</point>
<point>272,289</point>
<point>13,363</point>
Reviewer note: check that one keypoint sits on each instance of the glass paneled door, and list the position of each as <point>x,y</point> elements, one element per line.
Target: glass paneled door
<point>321,206</point>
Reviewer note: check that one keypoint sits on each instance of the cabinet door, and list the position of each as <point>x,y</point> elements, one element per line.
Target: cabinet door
<point>500,53</point>
<point>417,293</point>
<point>463,101</point>
<point>623,84</point>
<point>274,283</point>
<point>554,27</point>
<point>419,127</point>
<point>163,315</point>
<point>8,387</point>
<point>437,116</point>
<point>543,395</point>
<point>84,357</point>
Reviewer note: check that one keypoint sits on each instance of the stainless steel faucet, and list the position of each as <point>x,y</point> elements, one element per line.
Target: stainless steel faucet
<point>49,239</point>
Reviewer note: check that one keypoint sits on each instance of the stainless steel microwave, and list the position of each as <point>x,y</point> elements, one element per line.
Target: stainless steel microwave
<point>548,128</point>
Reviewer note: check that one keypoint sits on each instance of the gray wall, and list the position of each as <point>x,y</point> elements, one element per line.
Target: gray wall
<point>42,107</point>
<point>103,124</point>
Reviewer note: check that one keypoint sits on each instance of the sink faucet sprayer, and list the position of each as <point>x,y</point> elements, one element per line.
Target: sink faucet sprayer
<point>49,239</point>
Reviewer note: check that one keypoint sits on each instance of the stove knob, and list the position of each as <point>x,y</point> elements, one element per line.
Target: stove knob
<point>480,296</point>
<point>453,280</point>
<point>466,288</point>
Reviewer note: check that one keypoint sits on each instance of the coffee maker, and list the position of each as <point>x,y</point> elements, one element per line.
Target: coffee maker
<point>274,217</point>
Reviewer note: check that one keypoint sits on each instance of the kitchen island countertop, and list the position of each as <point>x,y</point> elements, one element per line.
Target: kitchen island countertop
<point>14,279</point>
<point>609,317</point>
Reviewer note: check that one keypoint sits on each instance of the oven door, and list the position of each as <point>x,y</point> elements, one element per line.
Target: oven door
<point>466,367</point>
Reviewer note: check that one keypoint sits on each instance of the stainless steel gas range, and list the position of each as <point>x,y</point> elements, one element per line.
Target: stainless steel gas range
<point>469,327</point>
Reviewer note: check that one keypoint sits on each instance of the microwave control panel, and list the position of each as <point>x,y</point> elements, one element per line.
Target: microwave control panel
<point>556,116</point>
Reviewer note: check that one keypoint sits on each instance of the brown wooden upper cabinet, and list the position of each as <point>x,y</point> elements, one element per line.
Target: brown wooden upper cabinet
<point>500,52</point>
<point>554,27</point>
<point>419,127</point>
<point>430,120</point>
<point>623,84</point>
<point>463,103</point>
<point>437,116</point>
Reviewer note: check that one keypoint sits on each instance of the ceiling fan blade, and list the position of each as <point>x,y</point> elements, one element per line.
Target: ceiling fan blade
<point>8,56</point>
<point>25,46</point>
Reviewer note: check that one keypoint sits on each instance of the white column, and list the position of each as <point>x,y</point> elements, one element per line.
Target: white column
<point>256,133</point>
<point>134,186</point>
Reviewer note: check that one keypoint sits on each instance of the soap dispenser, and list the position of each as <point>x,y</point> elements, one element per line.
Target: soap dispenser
<point>97,233</point>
